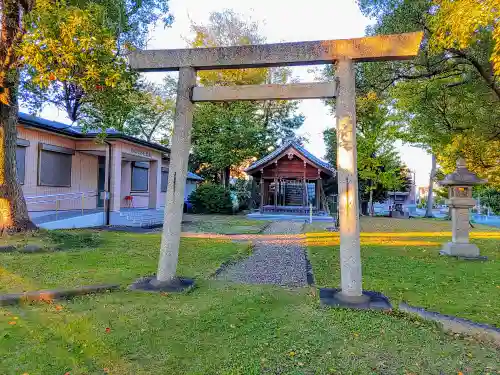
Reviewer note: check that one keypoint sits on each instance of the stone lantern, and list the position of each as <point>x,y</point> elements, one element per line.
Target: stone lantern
<point>460,185</point>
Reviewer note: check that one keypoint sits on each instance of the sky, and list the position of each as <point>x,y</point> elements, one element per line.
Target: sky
<point>280,21</point>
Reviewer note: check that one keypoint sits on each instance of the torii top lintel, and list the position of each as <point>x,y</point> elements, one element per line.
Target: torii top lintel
<point>371,48</point>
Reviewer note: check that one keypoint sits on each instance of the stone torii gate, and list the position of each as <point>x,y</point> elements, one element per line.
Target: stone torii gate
<point>342,52</point>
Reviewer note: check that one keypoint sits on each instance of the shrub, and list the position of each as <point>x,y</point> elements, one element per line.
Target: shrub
<point>243,191</point>
<point>70,239</point>
<point>209,198</point>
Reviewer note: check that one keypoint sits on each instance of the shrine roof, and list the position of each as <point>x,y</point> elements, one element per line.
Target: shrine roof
<point>276,154</point>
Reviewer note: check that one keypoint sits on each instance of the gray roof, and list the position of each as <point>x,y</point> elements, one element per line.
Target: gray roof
<point>315,160</point>
<point>78,132</point>
<point>461,176</point>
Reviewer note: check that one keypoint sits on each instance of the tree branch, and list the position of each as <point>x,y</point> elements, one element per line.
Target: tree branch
<point>488,77</point>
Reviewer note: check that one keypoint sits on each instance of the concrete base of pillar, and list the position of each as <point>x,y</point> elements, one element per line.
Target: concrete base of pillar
<point>151,284</point>
<point>466,250</point>
<point>368,301</point>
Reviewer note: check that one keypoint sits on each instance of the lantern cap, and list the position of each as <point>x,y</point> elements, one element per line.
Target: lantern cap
<point>462,176</point>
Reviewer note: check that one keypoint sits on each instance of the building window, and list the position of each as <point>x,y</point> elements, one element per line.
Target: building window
<point>164,181</point>
<point>21,159</point>
<point>54,165</point>
<point>140,176</point>
<point>20,163</point>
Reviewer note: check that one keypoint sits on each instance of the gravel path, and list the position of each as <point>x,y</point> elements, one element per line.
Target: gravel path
<point>280,260</point>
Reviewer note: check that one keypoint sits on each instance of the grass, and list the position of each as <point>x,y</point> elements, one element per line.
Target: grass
<point>217,328</point>
<point>119,258</point>
<point>404,263</point>
<point>222,224</point>
<point>226,329</point>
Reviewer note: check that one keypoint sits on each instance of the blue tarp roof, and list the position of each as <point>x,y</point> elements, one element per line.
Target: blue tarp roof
<point>193,176</point>
<point>315,160</point>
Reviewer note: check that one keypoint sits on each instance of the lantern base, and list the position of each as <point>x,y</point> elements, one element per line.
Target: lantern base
<point>462,250</point>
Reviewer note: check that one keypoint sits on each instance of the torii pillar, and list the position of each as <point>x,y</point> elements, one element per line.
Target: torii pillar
<point>347,179</point>
<point>345,53</point>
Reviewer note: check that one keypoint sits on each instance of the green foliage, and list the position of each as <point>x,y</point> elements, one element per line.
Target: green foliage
<point>144,110</point>
<point>153,111</point>
<point>422,204</point>
<point>378,159</point>
<point>226,135</point>
<point>379,166</point>
<point>74,55</point>
<point>489,197</point>
<point>447,99</point>
<point>330,139</point>
<point>463,23</point>
<point>243,190</point>
<point>70,53</point>
<point>210,198</point>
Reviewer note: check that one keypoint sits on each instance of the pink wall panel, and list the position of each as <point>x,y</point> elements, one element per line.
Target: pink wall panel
<point>84,171</point>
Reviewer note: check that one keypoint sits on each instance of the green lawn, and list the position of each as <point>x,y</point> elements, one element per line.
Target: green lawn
<point>117,257</point>
<point>404,263</point>
<point>226,329</point>
<point>217,328</point>
<point>222,224</point>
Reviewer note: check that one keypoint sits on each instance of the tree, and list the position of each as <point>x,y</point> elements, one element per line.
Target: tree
<point>379,167</point>
<point>482,156</point>
<point>63,52</point>
<point>74,50</point>
<point>13,210</point>
<point>430,191</point>
<point>447,98</point>
<point>459,24</point>
<point>378,161</point>
<point>225,135</point>
<point>489,197</point>
<point>152,117</point>
<point>453,87</point>
<point>144,111</point>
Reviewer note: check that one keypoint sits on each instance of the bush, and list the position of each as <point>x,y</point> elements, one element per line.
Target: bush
<point>70,239</point>
<point>209,198</point>
<point>242,189</point>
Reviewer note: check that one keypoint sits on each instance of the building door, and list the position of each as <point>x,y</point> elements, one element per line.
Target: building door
<point>293,193</point>
<point>101,180</point>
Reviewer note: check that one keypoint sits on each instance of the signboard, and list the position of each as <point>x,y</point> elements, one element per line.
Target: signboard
<point>136,151</point>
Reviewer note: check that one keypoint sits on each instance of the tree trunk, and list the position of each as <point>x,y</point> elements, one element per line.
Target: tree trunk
<point>370,201</point>
<point>226,174</point>
<point>13,211</point>
<point>430,197</point>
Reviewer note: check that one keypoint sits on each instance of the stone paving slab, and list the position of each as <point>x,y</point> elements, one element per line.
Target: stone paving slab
<point>280,262</point>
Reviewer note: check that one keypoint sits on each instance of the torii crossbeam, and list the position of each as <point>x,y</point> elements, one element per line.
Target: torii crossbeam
<point>342,52</point>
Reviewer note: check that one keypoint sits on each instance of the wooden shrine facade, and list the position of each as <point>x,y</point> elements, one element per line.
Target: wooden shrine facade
<point>290,180</point>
